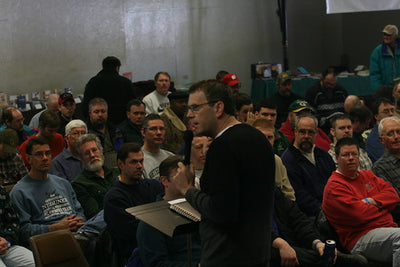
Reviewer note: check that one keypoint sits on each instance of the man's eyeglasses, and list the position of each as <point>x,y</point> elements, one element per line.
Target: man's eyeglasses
<point>197,107</point>
<point>41,154</point>
<point>77,133</point>
<point>155,129</point>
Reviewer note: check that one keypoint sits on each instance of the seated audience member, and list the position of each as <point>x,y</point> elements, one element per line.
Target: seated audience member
<point>131,190</point>
<point>388,166</point>
<point>131,127</point>
<point>12,168</point>
<point>232,80</point>
<point>51,104</point>
<point>198,152</point>
<point>153,131</point>
<point>244,105</point>
<point>341,127</point>
<point>361,118</point>
<point>66,111</point>
<point>13,118</point>
<point>358,206</point>
<point>45,202</point>
<point>296,242</point>
<point>385,91</point>
<point>220,74</point>
<point>308,166</point>
<point>48,126</point>
<point>157,100</point>
<point>283,97</point>
<point>295,109</point>
<point>67,164</point>
<point>267,109</point>
<point>352,101</point>
<point>156,248</point>
<point>326,97</point>
<point>105,131</point>
<point>281,177</point>
<point>10,253</point>
<point>382,108</point>
<point>92,184</point>
<point>174,117</point>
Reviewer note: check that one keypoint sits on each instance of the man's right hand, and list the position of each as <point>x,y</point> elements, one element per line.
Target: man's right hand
<point>65,223</point>
<point>3,245</point>
<point>288,256</point>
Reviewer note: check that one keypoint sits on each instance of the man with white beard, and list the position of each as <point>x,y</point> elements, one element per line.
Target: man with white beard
<point>95,180</point>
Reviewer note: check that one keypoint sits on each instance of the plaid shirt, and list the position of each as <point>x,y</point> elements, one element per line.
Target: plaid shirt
<point>388,168</point>
<point>365,161</point>
<point>9,222</point>
<point>12,169</point>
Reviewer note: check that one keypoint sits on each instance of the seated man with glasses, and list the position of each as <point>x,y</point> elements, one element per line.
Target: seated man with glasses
<point>67,164</point>
<point>45,202</point>
<point>153,131</point>
<point>358,205</point>
<point>307,165</point>
<point>388,166</point>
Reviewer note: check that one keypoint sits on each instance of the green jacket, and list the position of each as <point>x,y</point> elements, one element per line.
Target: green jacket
<point>91,189</point>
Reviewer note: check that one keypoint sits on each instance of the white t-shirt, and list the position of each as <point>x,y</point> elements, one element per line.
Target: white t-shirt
<point>155,103</point>
<point>152,161</point>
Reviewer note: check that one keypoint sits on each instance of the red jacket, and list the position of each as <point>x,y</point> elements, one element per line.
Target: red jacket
<point>322,140</point>
<point>348,214</point>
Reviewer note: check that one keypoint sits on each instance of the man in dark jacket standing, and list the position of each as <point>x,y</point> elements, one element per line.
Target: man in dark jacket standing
<point>109,85</point>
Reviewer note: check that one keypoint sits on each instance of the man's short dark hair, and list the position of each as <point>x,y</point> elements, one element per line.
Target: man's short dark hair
<point>150,117</point>
<point>40,140</point>
<point>328,71</point>
<point>110,63</point>
<point>362,114</point>
<point>168,164</point>
<point>221,74</point>
<point>161,72</point>
<point>7,115</point>
<point>242,100</point>
<point>134,102</point>
<point>345,141</point>
<point>216,91</point>
<point>49,118</point>
<point>127,148</point>
<point>266,103</point>
<point>380,101</point>
<point>341,116</point>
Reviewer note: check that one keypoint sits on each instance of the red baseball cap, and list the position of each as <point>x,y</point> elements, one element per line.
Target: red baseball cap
<point>231,79</point>
<point>64,97</point>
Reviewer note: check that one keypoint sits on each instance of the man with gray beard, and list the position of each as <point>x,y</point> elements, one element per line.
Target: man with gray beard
<point>308,166</point>
<point>95,180</point>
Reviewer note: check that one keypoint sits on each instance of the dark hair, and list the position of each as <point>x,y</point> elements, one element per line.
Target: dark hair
<point>110,63</point>
<point>134,102</point>
<point>221,74</point>
<point>159,73</point>
<point>242,100</point>
<point>341,116</point>
<point>168,164</point>
<point>49,118</point>
<point>127,148</point>
<point>150,117</point>
<point>215,91</point>
<point>266,103</point>
<point>382,100</point>
<point>345,141</point>
<point>328,71</point>
<point>36,141</point>
<point>361,113</point>
<point>97,101</point>
<point>7,115</point>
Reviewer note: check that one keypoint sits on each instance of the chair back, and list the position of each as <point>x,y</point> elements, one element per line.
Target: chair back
<point>57,249</point>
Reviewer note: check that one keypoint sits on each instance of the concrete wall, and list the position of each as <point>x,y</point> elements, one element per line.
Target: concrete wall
<point>49,44</point>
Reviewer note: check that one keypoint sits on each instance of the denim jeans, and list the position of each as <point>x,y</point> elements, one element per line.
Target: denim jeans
<point>17,256</point>
<point>380,244</point>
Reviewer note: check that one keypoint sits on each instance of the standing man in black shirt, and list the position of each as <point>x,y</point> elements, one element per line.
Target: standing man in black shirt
<point>237,184</point>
